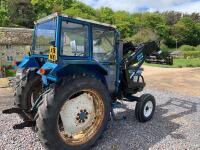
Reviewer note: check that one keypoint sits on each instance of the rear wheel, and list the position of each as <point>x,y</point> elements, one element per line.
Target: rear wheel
<point>145,107</point>
<point>75,115</point>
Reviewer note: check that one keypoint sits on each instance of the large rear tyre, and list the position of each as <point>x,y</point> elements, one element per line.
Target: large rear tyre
<point>145,107</point>
<point>74,115</point>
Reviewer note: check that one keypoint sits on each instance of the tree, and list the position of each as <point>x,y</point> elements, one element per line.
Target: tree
<point>187,31</point>
<point>124,23</point>
<point>21,12</point>
<point>172,17</point>
<point>105,14</point>
<point>4,19</point>
<point>45,7</point>
<point>79,9</point>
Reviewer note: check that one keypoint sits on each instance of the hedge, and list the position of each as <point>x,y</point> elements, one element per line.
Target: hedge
<point>191,54</point>
<point>187,48</point>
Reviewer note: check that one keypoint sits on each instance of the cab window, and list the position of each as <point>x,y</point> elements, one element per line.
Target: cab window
<point>74,39</point>
<point>103,44</point>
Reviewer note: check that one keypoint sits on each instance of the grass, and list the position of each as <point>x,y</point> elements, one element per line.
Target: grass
<point>179,63</point>
<point>10,73</point>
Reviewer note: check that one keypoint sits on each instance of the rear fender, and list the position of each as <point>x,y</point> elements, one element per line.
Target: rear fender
<point>52,75</point>
<point>59,71</point>
<point>91,70</point>
<point>28,62</point>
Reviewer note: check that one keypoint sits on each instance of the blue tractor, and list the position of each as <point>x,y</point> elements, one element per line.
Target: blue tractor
<point>76,71</point>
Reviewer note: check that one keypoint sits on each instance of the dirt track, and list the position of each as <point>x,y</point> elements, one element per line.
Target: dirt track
<point>185,81</point>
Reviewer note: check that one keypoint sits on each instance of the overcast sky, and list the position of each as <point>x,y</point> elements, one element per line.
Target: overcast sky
<point>187,6</point>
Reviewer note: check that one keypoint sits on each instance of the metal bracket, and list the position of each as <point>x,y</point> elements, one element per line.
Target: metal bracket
<point>113,116</point>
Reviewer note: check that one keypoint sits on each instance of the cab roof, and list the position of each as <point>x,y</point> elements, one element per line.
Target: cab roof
<point>77,18</point>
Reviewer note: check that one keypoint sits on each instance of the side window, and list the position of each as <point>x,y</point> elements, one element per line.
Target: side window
<point>74,41</point>
<point>103,45</point>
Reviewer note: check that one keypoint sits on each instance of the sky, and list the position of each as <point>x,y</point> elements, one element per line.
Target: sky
<point>186,6</point>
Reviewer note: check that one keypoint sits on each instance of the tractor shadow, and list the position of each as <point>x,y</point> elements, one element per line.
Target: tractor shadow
<point>130,134</point>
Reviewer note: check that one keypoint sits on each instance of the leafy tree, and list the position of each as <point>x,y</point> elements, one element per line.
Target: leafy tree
<point>156,22</point>
<point>105,14</point>
<point>46,7</point>
<point>187,31</point>
<point>172,17</point>
<point>79,9</point>
<point>21,12</point>
<point>124,23</point>
<point>4,19</point>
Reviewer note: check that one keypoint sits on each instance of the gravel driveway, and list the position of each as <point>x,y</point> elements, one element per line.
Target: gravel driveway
<point>176,125</point>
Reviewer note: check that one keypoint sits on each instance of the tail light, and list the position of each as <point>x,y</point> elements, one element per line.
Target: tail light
<point>15,63</point>
<point>44,71</point>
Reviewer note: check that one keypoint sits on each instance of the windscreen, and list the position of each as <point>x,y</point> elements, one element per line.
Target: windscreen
<point>44,37</point>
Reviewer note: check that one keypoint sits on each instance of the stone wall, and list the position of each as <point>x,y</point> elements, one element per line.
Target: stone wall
<point>14,42</point>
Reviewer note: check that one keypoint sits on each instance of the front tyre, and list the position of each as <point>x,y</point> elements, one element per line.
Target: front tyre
<point>145,107</point>
<point>74,115</point>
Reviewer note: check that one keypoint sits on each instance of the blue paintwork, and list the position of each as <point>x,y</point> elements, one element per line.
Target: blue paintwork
<point>62,69</point>
<point>58,34</point>
<point>29,62</point>
<point>52,74</point>
<point>68,64</point>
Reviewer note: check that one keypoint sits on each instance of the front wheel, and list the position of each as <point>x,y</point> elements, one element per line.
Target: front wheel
<point>74,115</point>
<point>145,107</point>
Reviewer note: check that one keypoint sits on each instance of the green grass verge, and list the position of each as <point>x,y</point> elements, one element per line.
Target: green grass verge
<point>179,63</point>
<point>10,73</point>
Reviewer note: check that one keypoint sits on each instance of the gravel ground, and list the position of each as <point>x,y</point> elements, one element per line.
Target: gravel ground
<point>176,125</point>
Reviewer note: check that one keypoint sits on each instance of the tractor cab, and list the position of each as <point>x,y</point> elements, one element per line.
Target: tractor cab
<point>75,46</point>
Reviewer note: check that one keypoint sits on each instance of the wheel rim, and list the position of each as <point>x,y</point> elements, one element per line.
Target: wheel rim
<point>80,117</point>
<point>148,108</point>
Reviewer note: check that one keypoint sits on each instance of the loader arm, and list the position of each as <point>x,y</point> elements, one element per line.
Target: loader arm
<point>132,79</point>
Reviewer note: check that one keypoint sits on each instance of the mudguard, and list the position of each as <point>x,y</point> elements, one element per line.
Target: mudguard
<point>28,62</point>
<point>52,75</point>
<point>57,71</point>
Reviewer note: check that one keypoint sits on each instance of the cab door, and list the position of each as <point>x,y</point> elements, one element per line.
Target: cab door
<point>104,52</point>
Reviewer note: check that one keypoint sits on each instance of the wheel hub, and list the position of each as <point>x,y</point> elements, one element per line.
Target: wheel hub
<point>82,116</point>
<point>148,109</point>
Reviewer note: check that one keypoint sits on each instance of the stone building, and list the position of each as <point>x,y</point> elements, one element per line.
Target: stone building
<point>14,42</point>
